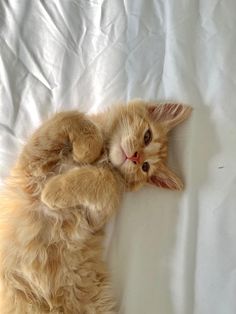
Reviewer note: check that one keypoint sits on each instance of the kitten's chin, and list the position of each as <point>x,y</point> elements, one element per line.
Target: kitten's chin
<point>117,156</point>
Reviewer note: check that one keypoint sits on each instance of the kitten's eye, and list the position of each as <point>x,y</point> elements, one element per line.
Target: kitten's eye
<point>147,137</point>
<point>145,166</point>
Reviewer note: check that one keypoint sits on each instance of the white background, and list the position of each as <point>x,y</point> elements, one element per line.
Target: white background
<point>169,252</point>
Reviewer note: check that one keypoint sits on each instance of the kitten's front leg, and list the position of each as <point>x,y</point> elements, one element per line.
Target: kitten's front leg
<point>87,141</point>
<point>65,132</point>
<point>97,189</point>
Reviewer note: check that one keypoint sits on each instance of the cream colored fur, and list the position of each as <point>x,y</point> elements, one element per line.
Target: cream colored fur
<point>65,186</point>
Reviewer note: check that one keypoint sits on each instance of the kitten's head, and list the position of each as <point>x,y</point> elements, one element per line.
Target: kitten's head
<point>138,146</point>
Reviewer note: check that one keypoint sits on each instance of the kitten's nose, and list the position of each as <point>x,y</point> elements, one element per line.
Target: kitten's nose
<point>135,158</point>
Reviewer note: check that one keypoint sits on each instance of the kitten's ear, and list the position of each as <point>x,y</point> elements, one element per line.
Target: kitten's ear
<point>163,177</point>
<point>169,114</point>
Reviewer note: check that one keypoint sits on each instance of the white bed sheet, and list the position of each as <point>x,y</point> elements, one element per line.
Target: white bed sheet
<point>169,253</point>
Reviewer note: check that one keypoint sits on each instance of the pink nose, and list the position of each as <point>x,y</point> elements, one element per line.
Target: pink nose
<point>135,158</point>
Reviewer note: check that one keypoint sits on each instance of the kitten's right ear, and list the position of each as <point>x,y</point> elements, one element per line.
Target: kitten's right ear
<point>169,115</point>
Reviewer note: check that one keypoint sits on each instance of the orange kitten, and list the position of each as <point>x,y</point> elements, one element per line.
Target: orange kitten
<point>66,184</point>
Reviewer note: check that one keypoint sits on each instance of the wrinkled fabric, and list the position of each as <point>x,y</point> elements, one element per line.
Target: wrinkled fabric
<point>168,252</point>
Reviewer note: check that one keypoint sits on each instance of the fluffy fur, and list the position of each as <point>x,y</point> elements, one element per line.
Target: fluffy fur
<point>66,184</point>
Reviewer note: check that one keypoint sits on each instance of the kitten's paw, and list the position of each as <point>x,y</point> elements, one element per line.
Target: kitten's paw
<point>88,148</point>
<point>89,151</point>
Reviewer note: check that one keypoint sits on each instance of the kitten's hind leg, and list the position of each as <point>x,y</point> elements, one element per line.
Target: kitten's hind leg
<point>97,189</point>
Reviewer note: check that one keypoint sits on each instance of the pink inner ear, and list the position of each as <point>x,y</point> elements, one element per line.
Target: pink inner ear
<point>173,110</point>
<point>169,114</point>
<point>168,181</point>
<point>160,182</point>
<point>165,112</point>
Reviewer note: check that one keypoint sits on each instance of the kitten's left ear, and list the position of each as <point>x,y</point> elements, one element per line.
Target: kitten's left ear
<point>169,114</point>
<point>163,177</point>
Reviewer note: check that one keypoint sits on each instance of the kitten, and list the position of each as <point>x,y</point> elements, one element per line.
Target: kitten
<point>66,184</point>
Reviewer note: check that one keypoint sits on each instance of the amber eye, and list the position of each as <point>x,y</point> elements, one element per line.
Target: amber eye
<point>145,166</point>
<point>147,137</point>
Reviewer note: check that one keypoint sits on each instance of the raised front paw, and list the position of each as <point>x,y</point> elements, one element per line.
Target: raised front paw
<point>88,147</point>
